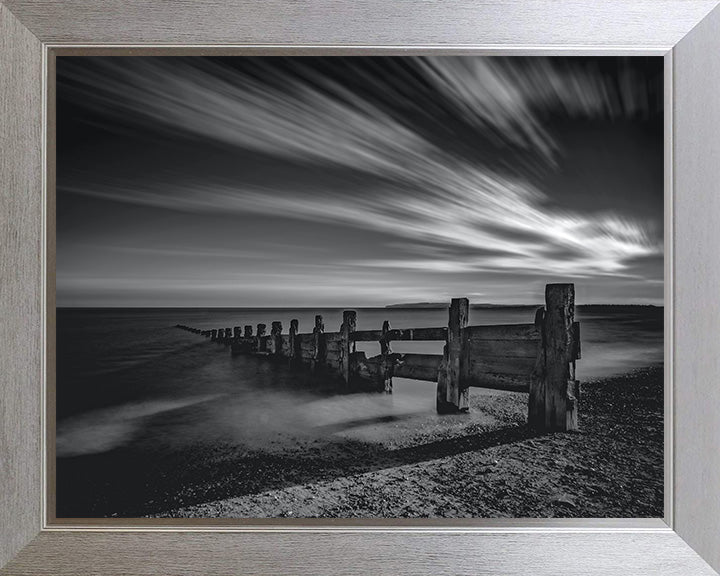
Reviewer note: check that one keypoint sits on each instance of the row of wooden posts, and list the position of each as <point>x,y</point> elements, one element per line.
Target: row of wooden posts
<point>538,358</point>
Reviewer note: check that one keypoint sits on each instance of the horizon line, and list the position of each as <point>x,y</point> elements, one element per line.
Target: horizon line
<point>429,305</point>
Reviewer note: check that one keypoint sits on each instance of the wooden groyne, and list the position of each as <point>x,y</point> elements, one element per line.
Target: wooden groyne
<point>537,358</point>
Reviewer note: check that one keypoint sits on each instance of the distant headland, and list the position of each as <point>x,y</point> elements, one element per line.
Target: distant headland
<point>482,305</point>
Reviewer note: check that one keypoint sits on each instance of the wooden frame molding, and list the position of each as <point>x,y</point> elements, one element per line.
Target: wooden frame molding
<point>687,32</point>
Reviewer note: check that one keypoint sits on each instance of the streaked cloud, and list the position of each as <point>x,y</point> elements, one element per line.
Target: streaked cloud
<point>461,211</point>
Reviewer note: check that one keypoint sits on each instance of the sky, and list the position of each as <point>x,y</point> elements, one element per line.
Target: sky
<point>358,181</point>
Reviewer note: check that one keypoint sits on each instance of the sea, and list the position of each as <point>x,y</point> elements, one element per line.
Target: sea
<point>128,375</point>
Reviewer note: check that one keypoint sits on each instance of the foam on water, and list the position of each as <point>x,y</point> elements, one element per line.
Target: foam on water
<point>128,376</point>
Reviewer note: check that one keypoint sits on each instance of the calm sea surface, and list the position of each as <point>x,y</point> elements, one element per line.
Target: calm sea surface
<point>128,376</point>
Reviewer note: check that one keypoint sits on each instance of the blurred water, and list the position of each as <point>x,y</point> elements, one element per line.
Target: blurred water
<point>128,377</point>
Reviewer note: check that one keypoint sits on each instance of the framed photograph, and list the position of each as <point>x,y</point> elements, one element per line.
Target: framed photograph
<point>351,289</point>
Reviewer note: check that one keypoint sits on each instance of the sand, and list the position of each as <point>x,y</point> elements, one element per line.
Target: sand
<point>483,464</point>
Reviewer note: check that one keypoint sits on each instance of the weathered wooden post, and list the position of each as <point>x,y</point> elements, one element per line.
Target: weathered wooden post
<point>319,344</point>
<point>553,389</point>
<point>293,342</point>
<point>259,334</point>
<point>452,394</point>
<point>346,345</point>
<point>237,333</point>
<point>276,338</point>
<point>213,334</point>
<point>385,363</point>
<point>248,332</point>
<point>228,336</point>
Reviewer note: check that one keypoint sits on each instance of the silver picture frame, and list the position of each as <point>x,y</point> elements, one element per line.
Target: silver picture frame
<point>685,32</point>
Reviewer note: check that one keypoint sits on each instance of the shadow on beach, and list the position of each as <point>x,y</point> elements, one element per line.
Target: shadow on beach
<point>134,484</point>
<point>483,464</point>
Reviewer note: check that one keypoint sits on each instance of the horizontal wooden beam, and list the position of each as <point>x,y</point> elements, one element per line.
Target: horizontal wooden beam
<point>366,336</point>
<point>503,348</point>
<point>503,332</point>
<point>307,354</point>
<point>498,382</point>
<point>333,345</point>
<point>416,366</point>
<point>479,366</point>
<point>424,334</point>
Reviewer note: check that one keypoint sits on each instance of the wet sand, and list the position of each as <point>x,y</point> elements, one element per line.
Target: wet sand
<point>483,464</point>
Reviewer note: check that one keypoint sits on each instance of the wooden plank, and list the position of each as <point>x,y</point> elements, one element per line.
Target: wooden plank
<point>451,397</point>
<point>286,349</point>
<point>307,348</point>
<point>274,342</point>
<point>333,361</point>
<point>366,336</point>
<point>427,360</point>
<point>553,404</point>
<point>387,368</point>
<point>424,373</point>
<point>259,338</point>
<point>417,366</point>
<point>290,347</point>
<point>575,352</point>
<point>306,339</point>
<point>348,326</point>
<point>418,334</point>
<point>510,366</point>
<point>503,332</point>
<point>503,348</point>
<point>367,373</point>
<point>499,382</point>
<point>333,345</point>
<point>333,355</point>
<point>307,354</point>
<point>332,337</point>
<point>318,334</point>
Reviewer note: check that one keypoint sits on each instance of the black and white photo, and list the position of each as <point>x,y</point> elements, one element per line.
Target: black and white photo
<point>359,287</point>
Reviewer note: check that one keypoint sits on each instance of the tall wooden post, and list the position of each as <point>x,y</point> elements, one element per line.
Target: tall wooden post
<point>553,390</point>
<point>248,332</point>
<point>346,345</point>
<point>319,344</point>
<point>236,333</point>
<point>259,334</point>
<point>276,338</point>
<point>213,334</point>
<point>452,394</point>
<point>293,342</point>
<point>385,363</point>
